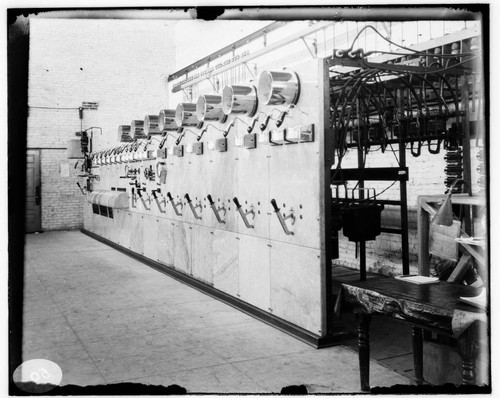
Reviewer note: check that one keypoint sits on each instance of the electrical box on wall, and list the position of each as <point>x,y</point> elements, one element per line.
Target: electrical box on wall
<point>161,153</point>
<point>250,141</point>
<point>198,148</point>
<point>221,144</point>
<point>75,149</point>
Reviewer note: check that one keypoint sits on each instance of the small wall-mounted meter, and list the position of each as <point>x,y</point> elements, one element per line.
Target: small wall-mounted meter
<point>198,148</point>
<point>250,140</point>
<point>179,150</point>
<point>221,144</point>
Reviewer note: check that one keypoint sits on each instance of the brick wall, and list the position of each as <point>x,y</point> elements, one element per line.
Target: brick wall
<point>121,64</point>
<point>61,198</point>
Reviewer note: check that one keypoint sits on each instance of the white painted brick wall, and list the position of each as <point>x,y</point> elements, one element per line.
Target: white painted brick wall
<point>121,64</point>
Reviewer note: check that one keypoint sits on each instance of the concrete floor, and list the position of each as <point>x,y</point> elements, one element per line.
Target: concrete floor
<point>105,318</point>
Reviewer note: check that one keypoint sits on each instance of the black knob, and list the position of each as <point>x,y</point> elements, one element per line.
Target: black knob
<point>281,119</point>
<point>210,200</point>
<point>187,197</point>
<point>250,128</point>
<point>236,202</point>
<point>263,126</point>
<point>169,196</point>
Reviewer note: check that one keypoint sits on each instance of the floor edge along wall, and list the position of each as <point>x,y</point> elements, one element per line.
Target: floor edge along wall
<point>291,329</point>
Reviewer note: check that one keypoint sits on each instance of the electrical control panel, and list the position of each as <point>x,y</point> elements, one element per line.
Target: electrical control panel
<point>231,195</point>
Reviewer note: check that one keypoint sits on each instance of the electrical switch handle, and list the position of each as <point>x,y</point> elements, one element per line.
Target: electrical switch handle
<point>281,218</point>
<point>244,214</point>
<point>162,142</point>
<point>193,208</point>
<point>281,118</point>
<point>227,129</point>
<point>216,210</point>
<point>250,128</point>
<point>264,124</point>
<point>174,205</point>
<point>236,202</point>
<point>275,205</point>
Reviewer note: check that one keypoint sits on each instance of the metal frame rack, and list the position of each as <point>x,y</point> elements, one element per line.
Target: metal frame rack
<point>419,98</point>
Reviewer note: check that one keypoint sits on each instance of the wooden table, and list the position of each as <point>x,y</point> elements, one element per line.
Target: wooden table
<point>432,307</point>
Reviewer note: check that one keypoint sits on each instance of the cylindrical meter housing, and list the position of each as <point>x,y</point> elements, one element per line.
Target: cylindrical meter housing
<point>209,107</point>
<point>166,120</point>
<point>278,88</point>
<point>137,129</point>
<point>151,125</point>
<point>185,115</point>
<point>124,134</point>
<point>239,99</point>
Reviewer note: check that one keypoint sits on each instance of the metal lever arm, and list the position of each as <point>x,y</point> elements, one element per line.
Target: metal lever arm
<point>244,214</point>
<point>148,199</point>
<point>282,219</point>
<point>216,210</point>
<point>174,205</point>
<point>193,208</point>
<point>155,196</point>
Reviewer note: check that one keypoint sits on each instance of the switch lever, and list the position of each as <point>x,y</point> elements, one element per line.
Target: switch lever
<point>193,208</point>
<point>174,205</point>
<point>155,196</point>
<point>244,214</point>
<point>216,210</point>
<point>282,219</point>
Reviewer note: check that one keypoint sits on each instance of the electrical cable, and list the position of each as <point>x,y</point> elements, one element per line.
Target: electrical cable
<point>387,68</point>
<point>380,193</point>
<point>413,51</point>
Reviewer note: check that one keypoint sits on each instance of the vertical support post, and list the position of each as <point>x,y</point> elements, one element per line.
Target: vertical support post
<point>418,354</point>
<point>423,239</point>
<point>364,350</point>
<point>361,185</point>
<point>362,261</point>
<point>405,249</point>
<point>466,150</point>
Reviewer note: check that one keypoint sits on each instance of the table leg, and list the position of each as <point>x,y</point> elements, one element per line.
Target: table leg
<point>418,354</point>
<point>364,350</point>
<point>468,350</point>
